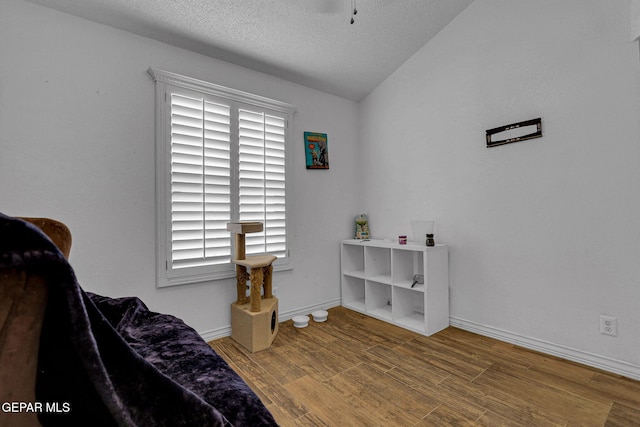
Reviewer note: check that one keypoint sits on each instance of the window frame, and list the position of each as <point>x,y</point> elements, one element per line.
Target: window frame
<point>165,84</point>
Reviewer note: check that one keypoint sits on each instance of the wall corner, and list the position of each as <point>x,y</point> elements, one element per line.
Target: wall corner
<point>635,19</point>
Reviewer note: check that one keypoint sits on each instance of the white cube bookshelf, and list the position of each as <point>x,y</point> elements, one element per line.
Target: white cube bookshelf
<point>377,276</point>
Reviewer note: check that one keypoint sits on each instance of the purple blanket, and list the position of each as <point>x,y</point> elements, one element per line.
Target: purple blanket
<point>111,362</point>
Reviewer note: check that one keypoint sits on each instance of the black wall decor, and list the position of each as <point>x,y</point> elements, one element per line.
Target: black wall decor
<point>514,132</point>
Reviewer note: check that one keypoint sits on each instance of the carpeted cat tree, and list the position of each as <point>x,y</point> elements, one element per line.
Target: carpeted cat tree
<point>254,319</point>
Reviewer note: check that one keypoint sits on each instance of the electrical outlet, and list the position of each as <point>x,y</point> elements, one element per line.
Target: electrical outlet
<point>608,325</point>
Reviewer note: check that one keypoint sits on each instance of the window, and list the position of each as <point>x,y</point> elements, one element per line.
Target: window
<point>221,156</point>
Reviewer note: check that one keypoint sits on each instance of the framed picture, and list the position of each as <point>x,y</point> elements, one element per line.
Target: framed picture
<point>316,148</point>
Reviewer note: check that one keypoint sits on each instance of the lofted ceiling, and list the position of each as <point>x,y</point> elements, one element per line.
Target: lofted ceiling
<point>309,42</point>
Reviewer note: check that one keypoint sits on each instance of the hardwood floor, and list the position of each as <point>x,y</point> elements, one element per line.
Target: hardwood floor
<point>357,371</point>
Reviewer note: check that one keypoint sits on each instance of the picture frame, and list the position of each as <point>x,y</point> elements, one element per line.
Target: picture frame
<point>316,148</point>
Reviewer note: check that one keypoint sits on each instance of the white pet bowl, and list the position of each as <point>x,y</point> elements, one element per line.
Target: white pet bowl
<point>320,316</point>
<point>300,321</point>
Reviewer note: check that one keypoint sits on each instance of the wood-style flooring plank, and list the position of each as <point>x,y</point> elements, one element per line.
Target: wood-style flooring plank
<point>616,388</point>
<point>558,404</point>
<point>393,401</point>
<point>444,358</point>
<point>510,407</point>
<point>446,416</point>
<point>623,416</point>
<point>328,406</point>
<point>408,369</point>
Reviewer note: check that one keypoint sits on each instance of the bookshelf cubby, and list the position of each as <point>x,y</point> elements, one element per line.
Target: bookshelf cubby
<point>377,278</point>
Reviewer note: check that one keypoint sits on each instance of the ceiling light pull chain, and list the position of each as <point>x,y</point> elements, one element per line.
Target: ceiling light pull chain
<point>355,11</point>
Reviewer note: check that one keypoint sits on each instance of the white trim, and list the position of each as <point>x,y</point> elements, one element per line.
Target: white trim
<point>190,83</point>
<point>619,367</point>
<point>225,331</point>
<point>282,317</point>
<point>214,334</point>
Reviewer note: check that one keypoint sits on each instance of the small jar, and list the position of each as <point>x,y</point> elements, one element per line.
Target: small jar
<point>402,240</point>
<point>430,241</point>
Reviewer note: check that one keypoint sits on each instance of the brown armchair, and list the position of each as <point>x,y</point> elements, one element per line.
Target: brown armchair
<point>58,232</point>
<point>23,299</point>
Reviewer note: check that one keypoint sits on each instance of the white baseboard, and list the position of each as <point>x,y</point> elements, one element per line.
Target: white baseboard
<point>284,316</point>
<point>619,367</point>
<point>225,331</point>
<point>214,334</point>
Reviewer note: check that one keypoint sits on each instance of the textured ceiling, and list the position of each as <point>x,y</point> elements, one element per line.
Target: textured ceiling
<point>310,42</point>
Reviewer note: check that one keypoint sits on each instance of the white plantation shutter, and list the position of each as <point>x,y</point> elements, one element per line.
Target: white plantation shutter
<point>221,157</point>
<point>200,182</point>
<point>262,189</point>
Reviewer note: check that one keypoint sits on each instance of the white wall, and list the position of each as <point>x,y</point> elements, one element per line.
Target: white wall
<point>77,144</point>
<point>544,234</point>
